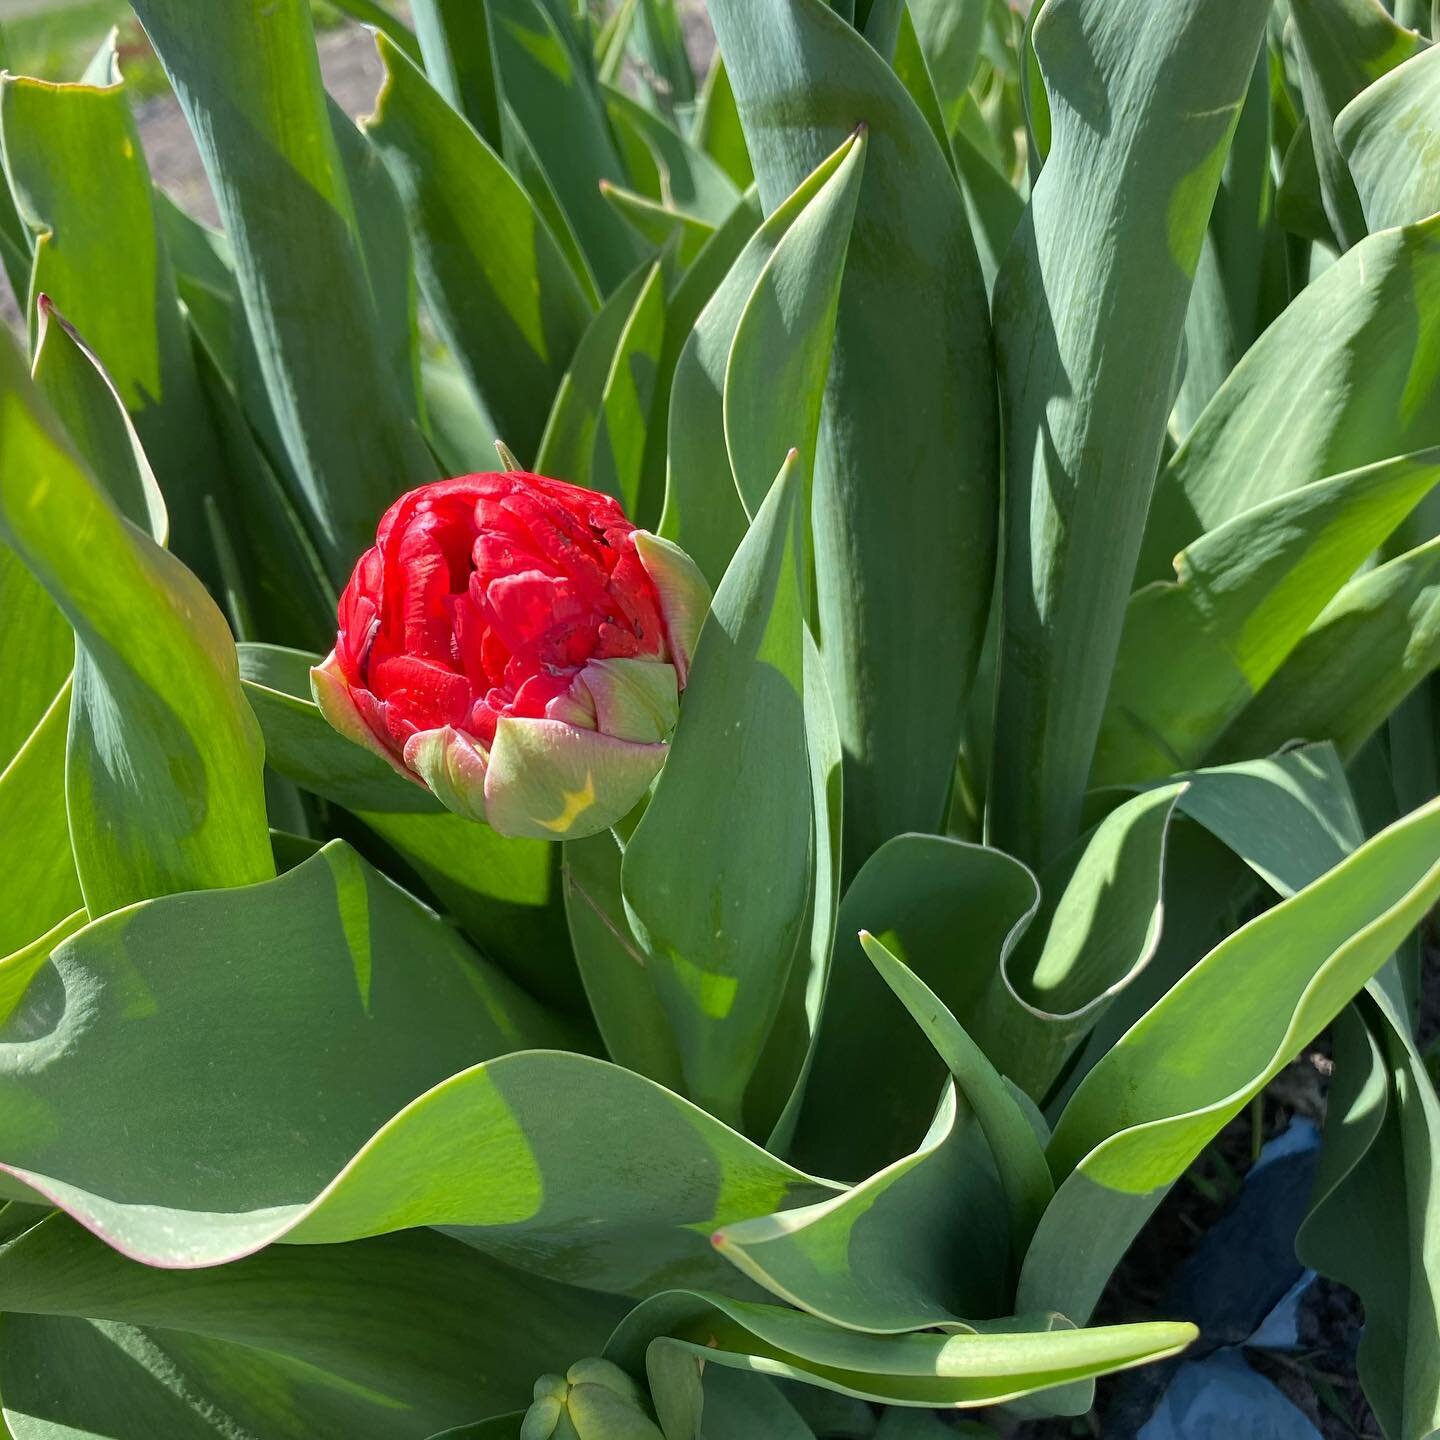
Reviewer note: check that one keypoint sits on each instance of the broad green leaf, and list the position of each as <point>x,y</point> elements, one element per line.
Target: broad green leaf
<point>459,56</point>
<point>950,33</point>
<point>1376,641</point>
<point>81,395</point>
<point>560,112</point>
<point>40,885</point>
<point>1087,267</point>
<point>249,82</point>
<point>717,130</point>
<point>597,431</point>
<point>1343,47</point>
<point>381,1334</point>
<point>524,164</point>
<point>15,239</point>
<point>948,910</point>
<point>994,207</point>
<point>1382,1129</point>
<point>377,17</point>
<point>723,931</point>
<point>64,146</point>
<point>657,223</point>
<point>501,291</point>
<point>1018,1154</point>
<point>738,1406</point>
<point>949,1371</point>
<point>784,1067</point>
<point>613,964</point>
<point>661,44</point>
<point>1289,817</point>
<point>686,296</point>
<point>780,356</point>
<point>1346,376</point>
<point>1149,1106</point>
<point>460,432</point>
<point>1240,253</point>
<point>169,1147</point>
<point>1389,135</point>
<point>909,412</point>
<point>37,650</point>
<point>615,361</point>
<point>683,176</point>
<point>887,1255</point>
<point>1196,651</point>
<point>504,892</point>
<point>287,592</point>
<point>1299,207</point>
<point>1098,927</point>
<point>382,224</point>
<point>703,512</point>
<point>163,762</point>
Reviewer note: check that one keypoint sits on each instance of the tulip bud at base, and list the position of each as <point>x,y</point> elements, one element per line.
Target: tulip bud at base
<point>593,1400</point>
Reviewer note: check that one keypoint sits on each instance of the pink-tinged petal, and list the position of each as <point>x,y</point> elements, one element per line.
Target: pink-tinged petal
<point>550,781</point>
<point>337,705</point>
<point>684,596</point>
<point>452,768</point>
<point>575,707</point>
<point>635,700</point>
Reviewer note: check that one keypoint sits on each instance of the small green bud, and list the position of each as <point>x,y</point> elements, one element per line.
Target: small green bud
<point>595,1400</point>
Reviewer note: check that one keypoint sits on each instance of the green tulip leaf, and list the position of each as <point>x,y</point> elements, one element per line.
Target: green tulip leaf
<point>703,511</point>
<point>674,172</point>
<point>774,382</point>
<point>64,145</point>
<point>1370,647</point>
<point>1087,264</point>
<point>1151,1103</point>
<point>558,108</point>
<point>597,429</point>
<point>723,933</point>
<point>501,290</point>
<point>393,1020</point>
<point>1389,135</point>
<point>952,1371</point>
<point>368,1339</point>
<point>459,56</point>
<point>1343,46</point>
<point>1099,925</point>
<point>905,489</point>
<point>1019,1156</point>
<point>41,886</point>
<point>1382,1130</point>
<point>658,223</point>
<point>163,779</point>
<point>1196,651</point>
<point>249,83</point>
<point>886,1255</point>
<point>949,910</point>
<point>1318,394</point>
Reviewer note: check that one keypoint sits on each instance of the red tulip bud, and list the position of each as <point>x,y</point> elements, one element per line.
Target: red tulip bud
<point>515,644</point>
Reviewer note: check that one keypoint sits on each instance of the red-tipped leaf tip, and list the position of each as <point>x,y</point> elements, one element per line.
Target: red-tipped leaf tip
<point>792,454</point>
<point>44,304</point>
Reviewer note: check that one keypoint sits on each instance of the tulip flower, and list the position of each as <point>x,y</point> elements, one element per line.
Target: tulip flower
<point>516,645</point>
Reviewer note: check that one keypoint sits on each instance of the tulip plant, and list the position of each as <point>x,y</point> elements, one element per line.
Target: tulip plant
<point>725,915</point>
